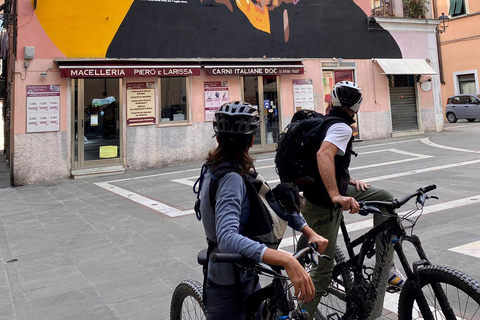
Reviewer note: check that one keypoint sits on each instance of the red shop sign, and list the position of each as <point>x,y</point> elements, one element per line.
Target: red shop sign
<point>127,71</point>
<point>253,70</point>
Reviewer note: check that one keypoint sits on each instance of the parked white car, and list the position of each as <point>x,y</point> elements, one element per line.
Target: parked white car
<point>463,106</point>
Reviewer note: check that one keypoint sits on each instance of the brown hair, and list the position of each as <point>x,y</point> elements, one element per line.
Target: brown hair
<point>232,148</point>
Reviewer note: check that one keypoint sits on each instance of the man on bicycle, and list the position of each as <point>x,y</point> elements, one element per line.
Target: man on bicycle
<point>337,187</point>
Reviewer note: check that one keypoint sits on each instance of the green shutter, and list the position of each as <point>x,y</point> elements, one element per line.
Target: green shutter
<point>453,3</point>
<point>457,7</point>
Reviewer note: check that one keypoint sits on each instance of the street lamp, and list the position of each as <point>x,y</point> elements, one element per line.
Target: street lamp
<point>443,23</point>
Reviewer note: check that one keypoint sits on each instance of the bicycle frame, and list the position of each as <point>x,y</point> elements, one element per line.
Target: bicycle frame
<point>394,229</point>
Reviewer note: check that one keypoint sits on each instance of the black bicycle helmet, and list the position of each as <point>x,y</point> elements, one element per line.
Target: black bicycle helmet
<point>347,94</point>
<point>236,117</point>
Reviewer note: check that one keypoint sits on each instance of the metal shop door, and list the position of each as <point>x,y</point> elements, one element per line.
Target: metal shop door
<point>403,103</point>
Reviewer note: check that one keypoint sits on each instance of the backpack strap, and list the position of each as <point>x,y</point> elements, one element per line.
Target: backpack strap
<point>197,187</point>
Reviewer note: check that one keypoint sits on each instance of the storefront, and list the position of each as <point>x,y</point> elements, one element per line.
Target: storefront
<point>115,106</point>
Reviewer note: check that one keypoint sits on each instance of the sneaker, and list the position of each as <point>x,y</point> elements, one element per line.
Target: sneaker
<point>396,278</point>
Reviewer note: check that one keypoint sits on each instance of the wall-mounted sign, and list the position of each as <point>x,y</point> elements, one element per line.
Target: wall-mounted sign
<point>141,103</point>
<point>216,94</point>
<point>127,71</point>
<point>303,94</point>
<point>252,70</point>
<point>43,108</point>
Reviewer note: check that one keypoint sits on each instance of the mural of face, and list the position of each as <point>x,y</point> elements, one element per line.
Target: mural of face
<point>213,29</point>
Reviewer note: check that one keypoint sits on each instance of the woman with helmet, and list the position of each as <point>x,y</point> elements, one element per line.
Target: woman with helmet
<point>226,222</point>
<point>337,191</point>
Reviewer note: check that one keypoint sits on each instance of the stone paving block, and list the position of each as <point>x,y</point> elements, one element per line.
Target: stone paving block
<point>95,252</point>
<point>85,309</point>
<point>173,271</point>
<point>26,267</point>
<point>132,287</point>
<point>146,252</point>
<point>65,298</point>
<point>5,293</point>
<point>155,302</point>
<point>39,288</point>
<point>111,268</point>
<point>48,274</point>
<point>6,310</point>
<point>121,235</point>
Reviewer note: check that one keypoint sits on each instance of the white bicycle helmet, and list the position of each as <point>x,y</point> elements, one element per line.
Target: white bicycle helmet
<point>347,94</point>
<point>236,117</point>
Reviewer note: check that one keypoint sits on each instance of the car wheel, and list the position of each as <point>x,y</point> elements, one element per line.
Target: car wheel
<point>451,117</point>
<point>471,120</point>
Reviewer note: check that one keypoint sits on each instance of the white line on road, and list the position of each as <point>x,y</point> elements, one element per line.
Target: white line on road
<point>427,141</point>
<point>471,249</point>
<point>368,223</point>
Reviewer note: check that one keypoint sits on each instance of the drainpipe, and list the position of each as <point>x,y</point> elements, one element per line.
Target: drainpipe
<point>439,48</point>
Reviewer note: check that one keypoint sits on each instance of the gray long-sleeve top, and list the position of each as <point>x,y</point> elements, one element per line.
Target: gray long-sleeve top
<point>225,225</point>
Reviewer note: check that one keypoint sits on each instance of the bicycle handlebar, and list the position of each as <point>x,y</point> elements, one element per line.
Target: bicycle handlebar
<point>219,257</point>
<point>395,204</point>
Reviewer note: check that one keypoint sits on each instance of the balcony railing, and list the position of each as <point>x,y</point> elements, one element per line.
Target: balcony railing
<point>400,8</point>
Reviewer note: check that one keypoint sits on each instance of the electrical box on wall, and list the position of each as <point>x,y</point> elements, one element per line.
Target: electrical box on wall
<point>29,53</point>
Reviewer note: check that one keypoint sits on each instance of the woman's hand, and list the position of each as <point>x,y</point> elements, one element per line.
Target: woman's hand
<point>314,237</point>
<point>321,242</point>
<point>304,288</point>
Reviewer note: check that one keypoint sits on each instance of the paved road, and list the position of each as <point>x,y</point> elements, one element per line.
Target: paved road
<point>115,247</point>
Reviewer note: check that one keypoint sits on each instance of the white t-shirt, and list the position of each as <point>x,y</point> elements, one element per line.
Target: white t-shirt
<point>339,134</point>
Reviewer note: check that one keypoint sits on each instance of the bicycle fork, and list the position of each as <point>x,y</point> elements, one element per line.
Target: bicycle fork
<point>413,276</point>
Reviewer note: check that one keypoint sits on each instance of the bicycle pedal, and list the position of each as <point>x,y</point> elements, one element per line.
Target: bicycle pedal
<point>393,289</point>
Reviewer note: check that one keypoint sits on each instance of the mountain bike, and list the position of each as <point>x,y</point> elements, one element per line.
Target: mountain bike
<point>272,302</point>
<point>430,292</point>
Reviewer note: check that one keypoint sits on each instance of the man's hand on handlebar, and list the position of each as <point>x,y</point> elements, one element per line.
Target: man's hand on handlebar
<point>347,203</point>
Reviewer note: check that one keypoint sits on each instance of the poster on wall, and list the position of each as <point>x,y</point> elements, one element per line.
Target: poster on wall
<point>141,103</point>
<point>303,94</point>
<point>43,108</point>
<point>216,94</point>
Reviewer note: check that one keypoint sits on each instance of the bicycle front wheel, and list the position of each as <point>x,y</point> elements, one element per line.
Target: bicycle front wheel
<point>449,294</point>
<point>333,304</point>
<point>187,302</point>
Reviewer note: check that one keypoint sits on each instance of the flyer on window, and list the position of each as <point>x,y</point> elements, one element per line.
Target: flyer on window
<point>303,94</point>
<point>43,108</point>
<point>141,103</point>
<point>216,94</point>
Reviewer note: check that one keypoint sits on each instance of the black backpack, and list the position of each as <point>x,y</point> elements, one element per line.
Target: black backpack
<point>295,160</point>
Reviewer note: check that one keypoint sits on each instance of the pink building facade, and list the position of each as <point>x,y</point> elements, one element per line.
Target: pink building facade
<point>128,85</point>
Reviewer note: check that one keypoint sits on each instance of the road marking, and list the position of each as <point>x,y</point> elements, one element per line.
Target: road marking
<point>470,249</point>
<point>145,201</point>
<point>174,212</point>
<point>408,173</point>
<point>415,156</point>
<point>368,223</point>
<point>385,144</point>
<point>427,141</point>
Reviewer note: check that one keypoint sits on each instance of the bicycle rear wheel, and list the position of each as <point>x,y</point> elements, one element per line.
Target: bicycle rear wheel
<point>187,302</point>
<point>449,293</point>
<point>333,304</point>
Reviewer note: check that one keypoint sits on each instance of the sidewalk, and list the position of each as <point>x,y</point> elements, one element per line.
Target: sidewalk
<point>4,172</point>
<point>75,251</point>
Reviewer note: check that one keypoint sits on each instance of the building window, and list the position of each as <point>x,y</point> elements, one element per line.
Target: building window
<point>457,8</point>
<point>173,99</point>
<point>466,83</point>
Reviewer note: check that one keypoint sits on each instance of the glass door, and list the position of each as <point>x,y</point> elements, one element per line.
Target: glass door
<point>97,122</point>
<point>267,105</point>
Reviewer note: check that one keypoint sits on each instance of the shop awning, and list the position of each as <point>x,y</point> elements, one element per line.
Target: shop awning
<point>405,66</point>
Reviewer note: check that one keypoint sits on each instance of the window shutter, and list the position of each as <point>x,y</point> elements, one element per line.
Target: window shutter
<point>453,3</point>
